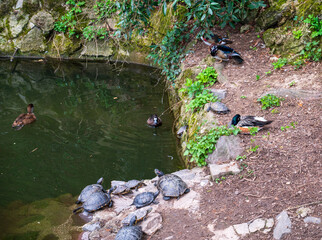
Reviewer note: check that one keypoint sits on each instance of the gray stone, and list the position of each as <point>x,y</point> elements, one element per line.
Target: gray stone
<point>85,236</point>
<point>185,174</point>
<point>90,227</point>
<point>244,28</point>
<point>219,68</point>
<point>227,148</point>
<point>283,225</point>
<point>17,23</point>
<point>19,4</point>
<point>44,21</point>
<point>97,48</point>
<point>33,41</point>
<point>152,224</point>
<point>295,93</point>
<point>219,93</point>
<point>314,220</point>
<point>226,234</point>
<point>189,201</point>
<point>217,171</point>
<point>303,211</point>
<point>256,225</point>
<point>269,223</point>
<point>241,229</point>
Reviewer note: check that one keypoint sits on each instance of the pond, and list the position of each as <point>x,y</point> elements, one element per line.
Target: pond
<point>91,123</point>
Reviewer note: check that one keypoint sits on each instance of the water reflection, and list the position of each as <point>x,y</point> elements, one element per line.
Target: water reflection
<point>91,123</point>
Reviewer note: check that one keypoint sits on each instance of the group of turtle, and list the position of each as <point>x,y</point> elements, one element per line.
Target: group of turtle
<point>94,197</point>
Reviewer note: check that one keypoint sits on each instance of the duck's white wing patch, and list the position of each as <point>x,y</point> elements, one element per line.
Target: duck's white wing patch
<point>261,119</point>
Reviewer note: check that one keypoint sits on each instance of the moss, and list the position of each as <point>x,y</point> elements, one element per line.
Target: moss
<point>306,7</point>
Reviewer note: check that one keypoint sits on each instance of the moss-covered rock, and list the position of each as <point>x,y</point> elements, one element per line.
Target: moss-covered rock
<point>17,23</point>
<point>33,42</point>
<point>62,46</point>
<point>43,20</point>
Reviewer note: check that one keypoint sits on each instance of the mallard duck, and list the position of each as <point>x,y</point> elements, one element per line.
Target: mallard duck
<point>154,121</point>
<point>244,123</point>
<point>222,52</point>
<point>25,118</point>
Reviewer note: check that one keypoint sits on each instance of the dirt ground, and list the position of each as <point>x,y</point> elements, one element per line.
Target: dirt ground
<point>285,171</point>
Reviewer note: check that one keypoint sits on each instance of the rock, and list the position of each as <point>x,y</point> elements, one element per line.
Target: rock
<point>219,69</point>
<point>241,229</point>
<point>17,23</point>
<point>219,93</point>
<point>314,220</point>
<point>152,224</point>
<point>33,41</point>
<point>227,148</point>
<point>244,28</point>
<point>97,48</point>
<point>283,225</point>
<point>185,174</point>
<point>62,45</point>
<point>295,93</point>
<point>303,211</point>
<point>217,171</point>
<point>84,236</point>
<point>189,201</point>
<point>182,130</point>
<point>269,223</point>
<point>44,21</point>
<point>90,227</point>
<point>256,225</point>
<point>226,234</point>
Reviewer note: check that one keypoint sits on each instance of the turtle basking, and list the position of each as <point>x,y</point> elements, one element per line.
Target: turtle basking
<point>121,190</point>
<point>218,107</point>
<point>170,185</point>
<point>130,232</point>
<point>139,213</point>
<point>135,184</point>
<point>89,190</point>
<point>96,201</point>
<point>145,198</point>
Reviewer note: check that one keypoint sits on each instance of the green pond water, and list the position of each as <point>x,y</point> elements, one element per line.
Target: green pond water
<point>91,123</point>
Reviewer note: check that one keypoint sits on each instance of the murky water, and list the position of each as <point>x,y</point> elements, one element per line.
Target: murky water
<point>91,123</point>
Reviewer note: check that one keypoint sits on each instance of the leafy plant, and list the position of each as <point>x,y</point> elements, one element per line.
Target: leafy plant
<point>280,63</point>
<point>192,88</point>
<point>297,34</point>
<point>253,48</point>
<point>240,158</point>
<point>208,76</point>
<point>201,99</point>
<point>268,73</point>
<point>253,130</point>
<point>254,149</point>
<point>269,101</point>
<point>220,179</point>
<point>292,84</point>
<point>200,146</point>
<point>243,97</point>
<point>258,77</point>
<point>287,126</point>
<point>274,111</point>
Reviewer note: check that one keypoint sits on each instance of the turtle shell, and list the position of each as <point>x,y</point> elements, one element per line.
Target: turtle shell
<point>121,189</point>
<point>171,185</point>
<point>134,184</point>
<point>140,214</point>
<point>97,201</point>
<point>144,199</point>
<point>89,190</point>
<point>218,107</point>
<point>129,233</point>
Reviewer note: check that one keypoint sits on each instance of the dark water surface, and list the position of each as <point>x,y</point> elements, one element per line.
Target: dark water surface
<point>91,123</point>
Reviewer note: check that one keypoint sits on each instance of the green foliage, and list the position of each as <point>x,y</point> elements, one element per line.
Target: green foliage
<point>280,63</point>
<point>243,97</point>
<point>268,73</point>
<point>199,147</point>
<point>254,149</point>
<point>208,76</point>
<point>70,22</point>
<point>297,34</point>
<point>292,124</point>
<point>201,99</point>
<point>253,131</point>
<point>275,111</point>
<point>258,77</point>
<point>292,84</point>
<point>240,158</point>
<point>269,101</point>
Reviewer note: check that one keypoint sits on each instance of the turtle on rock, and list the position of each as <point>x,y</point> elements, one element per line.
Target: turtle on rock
<point>170,185</point>
<point>121,190</point>
<point>218,107</point>
<point>145,199</point>
<point>89,190</point>
<point>135,184</point>
<point>96,201</point>
<point>139,213</point>
<point>130,232</point>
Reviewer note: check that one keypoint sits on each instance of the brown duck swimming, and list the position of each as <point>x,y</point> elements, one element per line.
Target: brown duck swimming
<point>154,121</point>
<point>25,118</point>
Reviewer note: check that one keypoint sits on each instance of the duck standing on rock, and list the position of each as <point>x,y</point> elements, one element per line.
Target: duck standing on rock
<point>244,123</point>
<point>25,118</point>
<point>154,121</point>
<point>222,52</point>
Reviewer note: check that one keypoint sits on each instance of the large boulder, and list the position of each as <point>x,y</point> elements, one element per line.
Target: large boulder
<point>17,23</point>
<point>44,21</point>
<point>34,41</point>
